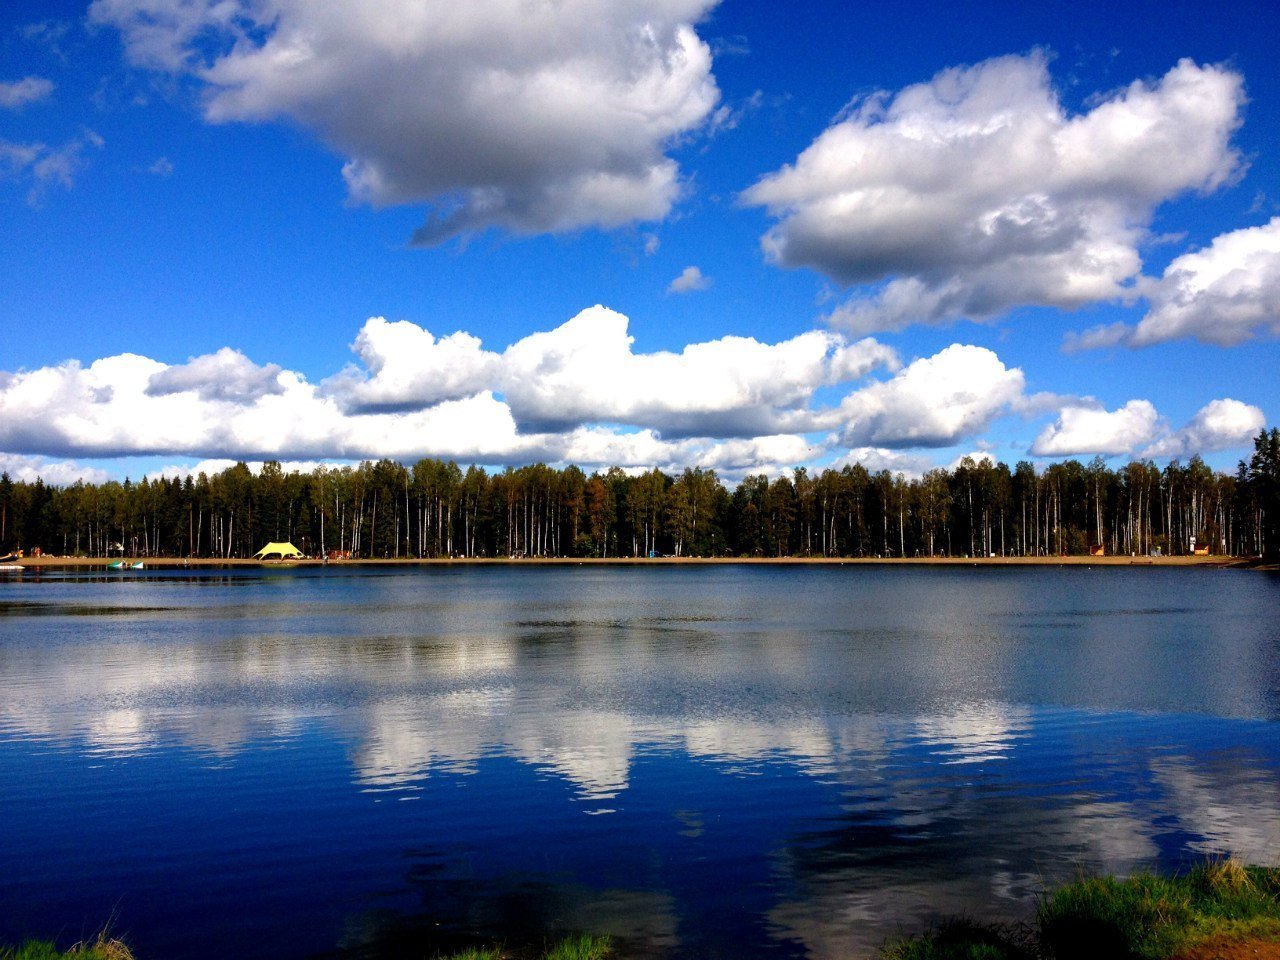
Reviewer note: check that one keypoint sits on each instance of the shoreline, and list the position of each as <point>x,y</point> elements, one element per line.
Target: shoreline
<point>1218,910</point>
<point>170,563</point>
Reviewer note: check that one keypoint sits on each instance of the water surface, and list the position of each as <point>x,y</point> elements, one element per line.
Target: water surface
<point>704,762</point>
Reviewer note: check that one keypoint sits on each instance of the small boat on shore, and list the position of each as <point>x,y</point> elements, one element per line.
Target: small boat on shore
<point>11,559</point>
<point>118,565</point>
<point>136,566</point>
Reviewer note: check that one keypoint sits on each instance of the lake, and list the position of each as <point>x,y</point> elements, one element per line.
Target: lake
<point>723,761</point>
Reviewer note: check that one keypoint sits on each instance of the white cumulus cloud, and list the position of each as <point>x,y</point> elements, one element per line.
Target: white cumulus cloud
<point>978,191</point>
<point>530,117</point>
<point>1223,294</point>
<point>225,375</point>
<point>935,402</point>
<point>577,392</point>
<point>1218,425</point>
<point>586,371</point>
<point>108,409</point>
<point>1083,428</point>
<point>405,367</point>
<point>1092,429</point>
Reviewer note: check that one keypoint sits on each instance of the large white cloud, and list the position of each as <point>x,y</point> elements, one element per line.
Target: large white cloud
<point>225,375</point>
<point>1218,425</point>
<point>1092,429</point>
<point>1084,428</point>
<point>109,409</point>
<point>577,392</point>
<point>532,117</point>
<point>1223,294</point>
<point>935,402</point>
<point>406,368</point>
<point>978,191</point>
<point>585,371</point>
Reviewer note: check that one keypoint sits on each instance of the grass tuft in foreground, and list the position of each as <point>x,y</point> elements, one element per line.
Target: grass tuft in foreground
<point>478,953</point>
<point>100,948</point>
<point>1145,917</point>
<point>584,947</point>
<point>963,939</point>
<point>1148,917</point>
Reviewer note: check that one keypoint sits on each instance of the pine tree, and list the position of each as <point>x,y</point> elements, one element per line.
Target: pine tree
<point>6,496</point>
<point>1264,479</point>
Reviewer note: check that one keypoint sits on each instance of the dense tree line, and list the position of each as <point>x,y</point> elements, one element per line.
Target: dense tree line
<point>436,509</point>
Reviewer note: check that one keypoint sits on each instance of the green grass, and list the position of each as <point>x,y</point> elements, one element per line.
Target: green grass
<point>584,947</point>
<point>962,939</point>
<point>1149,917</point>
<point>1144,917</point>
<point>101,948</point>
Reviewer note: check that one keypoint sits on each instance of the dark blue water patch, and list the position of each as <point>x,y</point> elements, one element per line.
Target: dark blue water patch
<point>185,845</point>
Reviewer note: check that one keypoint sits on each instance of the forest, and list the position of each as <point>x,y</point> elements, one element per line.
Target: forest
<point>436,509</point>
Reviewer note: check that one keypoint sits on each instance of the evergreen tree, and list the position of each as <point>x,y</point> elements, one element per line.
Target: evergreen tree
<point>1264,479</point>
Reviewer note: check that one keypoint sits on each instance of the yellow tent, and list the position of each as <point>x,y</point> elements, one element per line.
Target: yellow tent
<point>287,551</point>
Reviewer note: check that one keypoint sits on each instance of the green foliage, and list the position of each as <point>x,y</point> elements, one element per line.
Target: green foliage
<point>478,953</point>
<point>1148,917</point>
<point>101,948</point>
<point>1144,917</point>
<point>1263,482</point>
<point>32,950</point>
<point>584,947</point>
<point>433,508</point>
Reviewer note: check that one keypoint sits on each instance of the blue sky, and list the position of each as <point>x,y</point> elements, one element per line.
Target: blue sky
<point>172,184</point>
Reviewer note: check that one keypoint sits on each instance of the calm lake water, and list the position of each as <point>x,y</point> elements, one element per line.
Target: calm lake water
<point>704,762</point>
